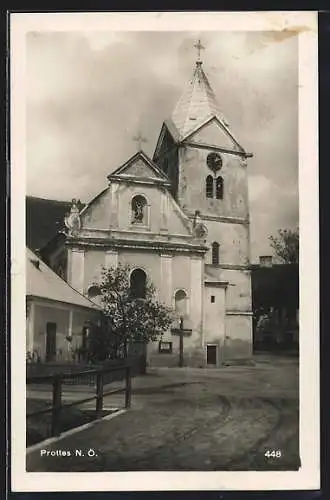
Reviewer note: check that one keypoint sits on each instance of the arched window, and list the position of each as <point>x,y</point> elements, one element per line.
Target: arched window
<point>138,282</point>
<point>139,206</point>
<point>219,188</point>
<point>209,186</point>
<point>215,253</point>
<point>181,303</point>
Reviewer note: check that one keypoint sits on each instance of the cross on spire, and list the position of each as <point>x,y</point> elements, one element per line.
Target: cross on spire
<point>199,47</point>
<point>139,139</point>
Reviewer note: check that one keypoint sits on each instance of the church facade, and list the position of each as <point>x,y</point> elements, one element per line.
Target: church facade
<point>180,220</point>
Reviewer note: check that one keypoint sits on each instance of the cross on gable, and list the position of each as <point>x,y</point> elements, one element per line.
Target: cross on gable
<point>199,47</point>
<point>139,139</point>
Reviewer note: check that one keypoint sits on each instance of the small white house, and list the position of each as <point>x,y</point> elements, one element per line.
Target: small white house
<point>57,316</point>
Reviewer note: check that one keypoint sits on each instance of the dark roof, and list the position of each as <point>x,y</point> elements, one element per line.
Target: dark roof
<point>44,218</point>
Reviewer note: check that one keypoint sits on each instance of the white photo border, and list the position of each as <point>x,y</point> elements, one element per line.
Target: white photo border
<point>305,25</point>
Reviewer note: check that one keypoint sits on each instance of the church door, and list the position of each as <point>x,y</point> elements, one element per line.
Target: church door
<point>50,341</point>
<point>211,354</point>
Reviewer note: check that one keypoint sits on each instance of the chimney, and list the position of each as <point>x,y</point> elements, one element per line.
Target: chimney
<point>266,260</point>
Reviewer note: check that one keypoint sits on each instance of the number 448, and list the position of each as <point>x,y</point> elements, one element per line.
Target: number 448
<point>273,453</point>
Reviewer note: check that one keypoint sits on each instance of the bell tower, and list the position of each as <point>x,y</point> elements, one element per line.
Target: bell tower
<point>207,167</point>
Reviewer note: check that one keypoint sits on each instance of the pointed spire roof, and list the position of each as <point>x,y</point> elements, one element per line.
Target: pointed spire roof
<point>197,103</point>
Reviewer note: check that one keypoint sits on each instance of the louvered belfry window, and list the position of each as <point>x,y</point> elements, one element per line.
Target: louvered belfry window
<point>209,186</point>
<point>219,188</point>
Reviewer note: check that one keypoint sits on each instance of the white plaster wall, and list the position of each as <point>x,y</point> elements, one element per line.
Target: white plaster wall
<point>233,240</point>
<point>238,340</point>
<point>214,315</point>
<point>238,294</point>
<point>93,262</point>
<point>76,268</point>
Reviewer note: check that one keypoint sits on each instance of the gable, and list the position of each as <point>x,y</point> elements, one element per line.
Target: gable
<point>139,167</point>
<point>213,133</point>
<point>96,212</point>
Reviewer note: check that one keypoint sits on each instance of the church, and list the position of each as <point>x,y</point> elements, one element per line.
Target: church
<point>181,220</point>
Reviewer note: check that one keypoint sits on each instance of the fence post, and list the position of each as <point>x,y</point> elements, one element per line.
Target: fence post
<point>128,389</point>
<point>56,407</point>
<point>99,393</point>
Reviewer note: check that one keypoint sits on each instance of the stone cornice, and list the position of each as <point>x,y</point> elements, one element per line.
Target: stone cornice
<point>218,218</point>
<point>141,181</point>
<point>217,148</point>
<point>159,246</point>
<point>113,233</point>
<point>233,267</point>
<point>239,313</point>
<point>216,284</point>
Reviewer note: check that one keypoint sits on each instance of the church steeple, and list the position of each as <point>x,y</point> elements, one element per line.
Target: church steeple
<point>197,102</point>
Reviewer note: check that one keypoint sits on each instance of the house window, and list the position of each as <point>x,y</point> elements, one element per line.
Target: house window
<point>215,253</point>
<point>138,282</point>
<point>212,299</point>
<point>219,188</point>
<point>181,303</point>
<point>139,210</point>
<point>209,186</point>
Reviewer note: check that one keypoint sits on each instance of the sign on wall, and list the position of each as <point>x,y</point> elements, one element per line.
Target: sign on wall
<point>165,347</point>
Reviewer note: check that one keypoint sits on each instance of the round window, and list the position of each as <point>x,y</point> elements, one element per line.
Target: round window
<point>214,161</point>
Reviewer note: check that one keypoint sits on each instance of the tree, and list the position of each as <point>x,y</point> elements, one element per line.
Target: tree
<point>286,245</point>
<point>131,319</point>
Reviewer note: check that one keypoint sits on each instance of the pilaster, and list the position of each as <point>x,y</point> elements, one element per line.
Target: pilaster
<point>166,278</point>
<point>76,274</point>
<point>114,204</point>
<point>196,294</point>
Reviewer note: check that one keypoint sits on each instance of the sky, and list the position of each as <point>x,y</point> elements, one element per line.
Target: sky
<point>89,93</point>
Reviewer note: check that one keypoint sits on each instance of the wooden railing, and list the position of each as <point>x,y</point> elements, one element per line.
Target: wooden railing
<point>57,381</point>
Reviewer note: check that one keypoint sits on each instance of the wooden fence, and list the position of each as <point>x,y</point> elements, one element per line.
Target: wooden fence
<point>86,373</point>
<point>101,376</point>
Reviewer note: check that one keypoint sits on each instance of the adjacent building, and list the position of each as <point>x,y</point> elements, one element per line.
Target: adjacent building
<point>57,316</point>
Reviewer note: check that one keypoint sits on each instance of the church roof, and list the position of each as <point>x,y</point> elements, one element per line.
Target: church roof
<point>196,104</point>
<point>43,282</point>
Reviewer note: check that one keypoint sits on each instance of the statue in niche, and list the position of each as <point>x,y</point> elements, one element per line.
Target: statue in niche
<point>72,220</point>
<point>138,208</point>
